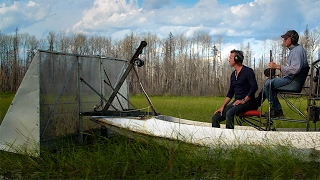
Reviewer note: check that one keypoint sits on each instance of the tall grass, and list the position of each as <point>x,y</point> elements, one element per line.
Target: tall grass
<point>122,158</point>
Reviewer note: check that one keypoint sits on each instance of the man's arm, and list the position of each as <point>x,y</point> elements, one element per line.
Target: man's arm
<point>297,58</point>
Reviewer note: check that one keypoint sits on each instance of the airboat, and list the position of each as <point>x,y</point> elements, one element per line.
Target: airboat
<point>251,130</point>
<point>61,95</point>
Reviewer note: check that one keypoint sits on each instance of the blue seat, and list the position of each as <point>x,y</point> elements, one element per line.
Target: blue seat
<point>297,83</point>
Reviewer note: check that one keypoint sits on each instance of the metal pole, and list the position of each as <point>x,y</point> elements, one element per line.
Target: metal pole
<point>124,76</point>
<point>79,72</point>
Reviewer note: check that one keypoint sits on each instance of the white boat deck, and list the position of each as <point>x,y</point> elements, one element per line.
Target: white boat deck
<point>201,133</point>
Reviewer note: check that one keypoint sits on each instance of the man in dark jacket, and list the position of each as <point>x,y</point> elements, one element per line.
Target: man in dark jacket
<point>243,85</point>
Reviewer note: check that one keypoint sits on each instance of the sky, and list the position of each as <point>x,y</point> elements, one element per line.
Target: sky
<point>236,21</point>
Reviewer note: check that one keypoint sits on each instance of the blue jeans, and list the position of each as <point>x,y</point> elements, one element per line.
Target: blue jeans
<point>272,95</point>
<point>229,112</point>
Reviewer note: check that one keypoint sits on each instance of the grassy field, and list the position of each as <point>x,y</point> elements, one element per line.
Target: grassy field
<point>5,100</point>
<point>192,108</point>
<point>122,158</point>
<point>202,108</point>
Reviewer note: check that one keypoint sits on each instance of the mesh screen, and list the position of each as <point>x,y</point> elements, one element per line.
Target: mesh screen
<point>63,95</point>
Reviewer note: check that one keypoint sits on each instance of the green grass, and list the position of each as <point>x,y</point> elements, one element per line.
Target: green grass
<point>202,108</point>
<point>5,100</point>
<point>122,158</point>
<point>193,108</point>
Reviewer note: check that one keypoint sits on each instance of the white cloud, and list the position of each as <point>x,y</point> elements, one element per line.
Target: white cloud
<point>251,21</point>
<point>20,15</point>
<point>116,15</point>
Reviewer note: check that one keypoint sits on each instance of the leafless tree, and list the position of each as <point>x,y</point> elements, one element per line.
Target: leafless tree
<point>79,44</point>
<point>174,65</point>
<point>51,40</point>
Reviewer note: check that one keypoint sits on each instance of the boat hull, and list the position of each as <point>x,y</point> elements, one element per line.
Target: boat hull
<point>201,133</point>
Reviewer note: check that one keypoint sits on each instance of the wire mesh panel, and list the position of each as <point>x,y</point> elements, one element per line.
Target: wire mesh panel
<point>56,91</point>
<point>71,84</point>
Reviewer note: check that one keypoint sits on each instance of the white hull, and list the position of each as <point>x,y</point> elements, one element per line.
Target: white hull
<point>203,134</point>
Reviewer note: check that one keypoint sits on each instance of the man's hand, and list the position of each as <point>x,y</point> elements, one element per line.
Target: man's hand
<point>273,65</point>
<point>237,102</point>
<point>220,110</point>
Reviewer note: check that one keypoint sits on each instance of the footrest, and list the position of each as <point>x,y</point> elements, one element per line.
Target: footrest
<point>250,113</point>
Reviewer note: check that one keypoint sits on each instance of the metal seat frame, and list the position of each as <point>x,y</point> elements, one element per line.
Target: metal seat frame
<point>255,119</point>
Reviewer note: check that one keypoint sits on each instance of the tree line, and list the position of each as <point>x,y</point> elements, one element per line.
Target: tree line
<point>174,65</point>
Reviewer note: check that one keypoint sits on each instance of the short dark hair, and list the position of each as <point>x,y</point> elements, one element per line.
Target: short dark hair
<point>238,55</point>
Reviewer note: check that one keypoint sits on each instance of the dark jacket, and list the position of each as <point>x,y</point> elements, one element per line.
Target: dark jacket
<point>243,85</point>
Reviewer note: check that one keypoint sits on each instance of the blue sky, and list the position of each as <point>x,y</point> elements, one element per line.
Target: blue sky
<point>190,3</point>
<point>236,21</point>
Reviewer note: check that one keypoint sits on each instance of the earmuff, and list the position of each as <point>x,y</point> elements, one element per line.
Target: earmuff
<point>238,56</point>
<point>294,38</point>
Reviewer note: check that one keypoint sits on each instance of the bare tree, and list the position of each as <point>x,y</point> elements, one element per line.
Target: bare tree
<point>310,41</point>
<point>151,58</point>
<point>64,43</point>
<point>174,65</point>
<point>51,40</point>
<point>79,44</point>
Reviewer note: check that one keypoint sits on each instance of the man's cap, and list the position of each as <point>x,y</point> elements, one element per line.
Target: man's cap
<point>289,33</point>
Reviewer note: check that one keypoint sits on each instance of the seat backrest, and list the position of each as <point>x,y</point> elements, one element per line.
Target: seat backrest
<point>297,83</point>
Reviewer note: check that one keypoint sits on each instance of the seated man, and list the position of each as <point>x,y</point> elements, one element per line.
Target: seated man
<point>296,60</point>
<point>243,85</point>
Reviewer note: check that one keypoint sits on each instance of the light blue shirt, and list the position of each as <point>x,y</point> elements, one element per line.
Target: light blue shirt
<point>296,60</point>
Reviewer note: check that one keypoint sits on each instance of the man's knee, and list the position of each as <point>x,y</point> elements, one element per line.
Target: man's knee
<point>267,85</point>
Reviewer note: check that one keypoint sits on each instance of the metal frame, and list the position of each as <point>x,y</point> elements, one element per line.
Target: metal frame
<point>30,121</point>
<point>312,99</point>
